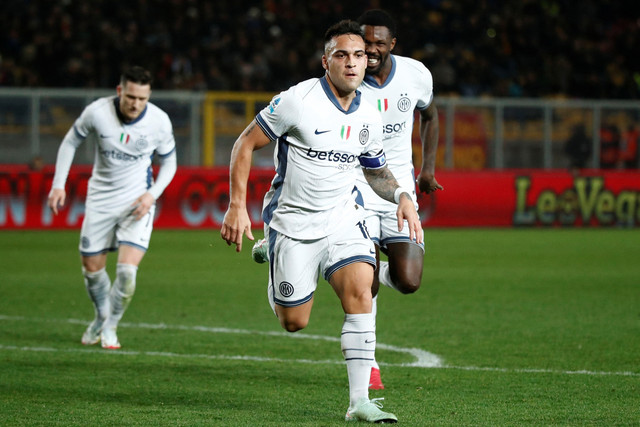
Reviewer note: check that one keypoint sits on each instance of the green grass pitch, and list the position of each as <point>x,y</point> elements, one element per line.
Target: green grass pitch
<point>511,327</point>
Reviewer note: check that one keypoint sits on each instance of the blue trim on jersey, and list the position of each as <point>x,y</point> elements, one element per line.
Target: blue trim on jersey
<point>116,104</point>
<point>342,263</point>
<point>265,128</point>
<point>278,181</point>
<point>426,106</point>
<point>358,196</point>
<point>327,90</point>
<point>371,81</point>
<point>378,161</point>
<point>78,134</point>
<point>167,154</point>
<point>149,175</point>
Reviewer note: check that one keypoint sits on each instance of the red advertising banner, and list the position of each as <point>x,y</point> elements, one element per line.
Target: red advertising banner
<point>198,198</point>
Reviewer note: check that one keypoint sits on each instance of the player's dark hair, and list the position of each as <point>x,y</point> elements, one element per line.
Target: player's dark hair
<point>346,26</point>
<point>136,74</point>
<point>378,18</point>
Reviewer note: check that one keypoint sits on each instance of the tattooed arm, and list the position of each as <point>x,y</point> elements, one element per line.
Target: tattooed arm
<point>385,185</point>
<point>236,221</point>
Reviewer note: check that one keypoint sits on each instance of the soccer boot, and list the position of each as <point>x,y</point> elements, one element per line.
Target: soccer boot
<point>92,335</point>
<point>369,411</point>
<point>375,383</point>
<point>109,339</point>
<point>260,251</point>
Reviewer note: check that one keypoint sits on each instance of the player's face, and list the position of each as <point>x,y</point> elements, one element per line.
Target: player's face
<point>133,99</point>
<point>345,61</point>
<point>379,44</point>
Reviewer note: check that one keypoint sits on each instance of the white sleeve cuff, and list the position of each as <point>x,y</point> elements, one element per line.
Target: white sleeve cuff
<point>398,192</point>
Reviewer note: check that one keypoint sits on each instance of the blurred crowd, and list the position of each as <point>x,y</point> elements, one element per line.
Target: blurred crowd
<point>528,48</point>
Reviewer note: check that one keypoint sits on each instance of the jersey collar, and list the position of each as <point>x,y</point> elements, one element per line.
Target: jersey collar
<point>371,81</point>
<point>327,90</point>
<point>116,104</point>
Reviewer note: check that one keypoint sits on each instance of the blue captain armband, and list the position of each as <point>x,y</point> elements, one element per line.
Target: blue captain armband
<point>373,162</point>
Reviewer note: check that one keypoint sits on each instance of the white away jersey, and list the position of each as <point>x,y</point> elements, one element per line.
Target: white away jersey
<point>318,148</point>
<point>122,167</point>
<point>408,87</point>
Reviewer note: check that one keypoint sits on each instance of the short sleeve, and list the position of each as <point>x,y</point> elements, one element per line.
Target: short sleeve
<point>282,114</point>
<point>426,88</point>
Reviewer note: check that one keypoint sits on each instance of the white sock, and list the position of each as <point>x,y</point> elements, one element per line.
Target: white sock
<point>358,342</point>
<point>98,284</point>
<point>384,275</point>
<point>121,293</point>
<point>374,311</point>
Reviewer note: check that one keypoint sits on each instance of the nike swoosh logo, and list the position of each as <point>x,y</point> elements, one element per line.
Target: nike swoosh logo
<point>320,132</point>
<point>369,342</point>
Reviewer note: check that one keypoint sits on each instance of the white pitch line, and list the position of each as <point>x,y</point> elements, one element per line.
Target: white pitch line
<point>424,359</point>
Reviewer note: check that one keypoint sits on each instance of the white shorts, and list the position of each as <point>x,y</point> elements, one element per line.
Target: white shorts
<point>295,265</point>
<point>106,231</point>
<point>383,229</point>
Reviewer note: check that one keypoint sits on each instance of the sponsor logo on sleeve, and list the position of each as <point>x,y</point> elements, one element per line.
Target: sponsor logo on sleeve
<point>274,103</point>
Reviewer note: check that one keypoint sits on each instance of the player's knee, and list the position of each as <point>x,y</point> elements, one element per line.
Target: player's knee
<point>407,284</point>
<point>409,287</point>
<point>293,325</point>
<point>291,319</point>
<point>127,279</point>
<point>92,265</point>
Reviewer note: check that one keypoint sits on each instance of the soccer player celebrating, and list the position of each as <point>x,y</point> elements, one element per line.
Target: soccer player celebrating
<point>322,132</point>
<point>397,86</point>
<point>121,194</point>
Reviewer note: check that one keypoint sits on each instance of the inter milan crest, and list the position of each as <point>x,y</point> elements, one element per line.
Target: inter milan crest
<point>286,289</point>
<point>404,103</point>
<point>141,143</point>
<point>363,137</point>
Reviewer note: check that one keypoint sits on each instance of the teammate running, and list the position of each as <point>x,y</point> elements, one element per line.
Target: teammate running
<point>121,194</point>
<point>397,86</point>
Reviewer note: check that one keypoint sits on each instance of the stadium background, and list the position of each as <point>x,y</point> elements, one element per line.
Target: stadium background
<point>513,81</point>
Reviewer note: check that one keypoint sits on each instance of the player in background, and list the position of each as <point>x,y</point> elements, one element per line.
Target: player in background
<point>322,132</point>
<point>121,194</point>
<point>397,86</point>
